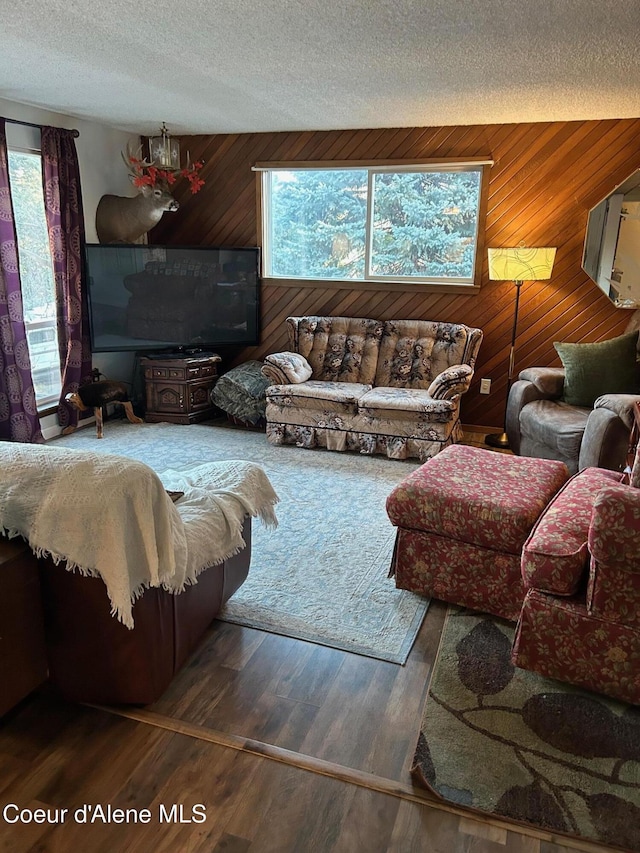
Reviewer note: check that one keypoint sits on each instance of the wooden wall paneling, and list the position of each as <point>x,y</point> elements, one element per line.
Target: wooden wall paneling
<point>421,143</point>
<point>541,147</point>
<point>508,210</point>
<point>545,178</point>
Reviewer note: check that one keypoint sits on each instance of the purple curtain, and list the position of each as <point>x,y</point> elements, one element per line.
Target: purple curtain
<point>65,221</point>
<point>18,413</point>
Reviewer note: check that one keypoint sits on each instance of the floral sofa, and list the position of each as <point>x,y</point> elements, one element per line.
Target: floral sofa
<point>375,386</point>
<point>515,537</point>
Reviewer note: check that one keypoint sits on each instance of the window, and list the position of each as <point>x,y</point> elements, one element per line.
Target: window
<point>36,274</point>
<point>412,224</point>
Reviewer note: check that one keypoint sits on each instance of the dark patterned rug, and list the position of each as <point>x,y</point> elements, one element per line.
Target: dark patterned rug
<point>511,743</point>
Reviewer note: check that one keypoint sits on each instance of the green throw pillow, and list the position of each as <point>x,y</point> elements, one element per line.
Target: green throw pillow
<point>608,367</point>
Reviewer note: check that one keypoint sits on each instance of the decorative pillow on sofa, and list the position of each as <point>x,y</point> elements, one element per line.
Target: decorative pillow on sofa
<point>607,367</point>
<point>286,368</point>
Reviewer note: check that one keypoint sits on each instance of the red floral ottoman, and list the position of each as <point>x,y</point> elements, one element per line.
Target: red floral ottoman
<point>462,520</point>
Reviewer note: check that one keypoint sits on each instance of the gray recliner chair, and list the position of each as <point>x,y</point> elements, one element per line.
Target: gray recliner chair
<point>539,423</point>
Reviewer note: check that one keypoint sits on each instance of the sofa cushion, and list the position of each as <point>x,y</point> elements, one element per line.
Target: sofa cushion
<point>414,352</point>
<point>555,555</point>
<point>339,349</point>
<point>395,403</point>
<point>340,397</point>
<point>555,425</point>
<point>476,496</point>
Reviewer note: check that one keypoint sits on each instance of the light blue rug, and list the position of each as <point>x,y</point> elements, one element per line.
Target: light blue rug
<point>322,574</point>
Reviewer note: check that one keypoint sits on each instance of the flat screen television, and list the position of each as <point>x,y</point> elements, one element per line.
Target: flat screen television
<point>172,297</point>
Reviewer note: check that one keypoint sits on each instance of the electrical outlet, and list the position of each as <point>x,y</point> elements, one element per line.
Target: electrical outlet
<point>485,386</point>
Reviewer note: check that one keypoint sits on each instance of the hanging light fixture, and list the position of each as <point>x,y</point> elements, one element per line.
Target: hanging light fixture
<point>164,150</point>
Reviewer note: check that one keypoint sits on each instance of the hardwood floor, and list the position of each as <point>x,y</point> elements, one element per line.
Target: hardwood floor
<point>322,702</point>
<point>290,746</point>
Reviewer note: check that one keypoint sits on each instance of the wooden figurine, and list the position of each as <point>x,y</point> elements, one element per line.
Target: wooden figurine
<point>95,395</point>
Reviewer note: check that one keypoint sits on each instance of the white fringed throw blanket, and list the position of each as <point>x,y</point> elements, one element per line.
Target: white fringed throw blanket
<point>110,516</point>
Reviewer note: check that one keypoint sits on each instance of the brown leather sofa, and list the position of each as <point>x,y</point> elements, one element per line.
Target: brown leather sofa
<point>93,657</point>
<point>23,655</point>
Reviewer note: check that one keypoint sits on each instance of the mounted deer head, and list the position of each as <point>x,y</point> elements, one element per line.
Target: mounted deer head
<point>123,220</point>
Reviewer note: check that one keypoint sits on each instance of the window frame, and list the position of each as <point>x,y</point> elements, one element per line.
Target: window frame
<point>23,139</point>
<point>375,283</point>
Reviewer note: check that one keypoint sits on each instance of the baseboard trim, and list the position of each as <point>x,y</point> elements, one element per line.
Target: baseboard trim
<point>479,428</point>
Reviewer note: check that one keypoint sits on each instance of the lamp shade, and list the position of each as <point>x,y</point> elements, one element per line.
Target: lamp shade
<point>521,264</point>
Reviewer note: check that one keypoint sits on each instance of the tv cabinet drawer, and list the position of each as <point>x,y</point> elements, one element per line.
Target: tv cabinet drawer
<point>156,373</point>
<point>201,371</point>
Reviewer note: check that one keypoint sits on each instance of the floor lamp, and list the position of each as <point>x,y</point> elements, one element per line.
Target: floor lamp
<point>517,265</point>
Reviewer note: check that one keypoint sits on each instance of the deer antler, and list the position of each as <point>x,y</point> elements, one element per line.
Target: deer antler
<point>135,162</point>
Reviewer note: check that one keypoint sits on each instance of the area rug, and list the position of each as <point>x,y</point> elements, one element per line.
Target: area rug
<point>512,743</point>
<point>322,574</point>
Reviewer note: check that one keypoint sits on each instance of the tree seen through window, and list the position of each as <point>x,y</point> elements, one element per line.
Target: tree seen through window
<point>417,225</point>
<point>36,273</point>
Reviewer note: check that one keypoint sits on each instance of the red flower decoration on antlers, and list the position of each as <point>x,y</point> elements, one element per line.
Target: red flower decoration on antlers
<point>145,174</point>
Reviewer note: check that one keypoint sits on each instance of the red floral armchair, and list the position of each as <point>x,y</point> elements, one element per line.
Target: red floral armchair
<point>580,620</point>
<point>513,536</point>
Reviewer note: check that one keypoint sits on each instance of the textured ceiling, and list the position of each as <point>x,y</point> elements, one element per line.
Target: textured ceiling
<point>227,66</point>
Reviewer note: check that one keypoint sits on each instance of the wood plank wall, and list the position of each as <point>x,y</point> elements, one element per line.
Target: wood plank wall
<point>545,179</point>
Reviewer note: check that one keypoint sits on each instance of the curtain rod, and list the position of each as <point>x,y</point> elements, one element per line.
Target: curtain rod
<point>75,132</point>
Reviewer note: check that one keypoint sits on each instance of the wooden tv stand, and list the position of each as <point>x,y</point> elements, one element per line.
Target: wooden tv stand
<point>178,388</point>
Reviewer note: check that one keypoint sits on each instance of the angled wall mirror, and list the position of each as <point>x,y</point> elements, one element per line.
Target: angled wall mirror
<point>611,254</point>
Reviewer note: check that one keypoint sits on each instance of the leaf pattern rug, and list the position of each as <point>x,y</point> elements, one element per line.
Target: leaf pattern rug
<point>321,575</point>
<point>512,743</point>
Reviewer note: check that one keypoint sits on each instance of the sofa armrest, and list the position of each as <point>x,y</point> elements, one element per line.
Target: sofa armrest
<point>451,382</point>
<point>522,392</point>
<point>613,592</point>
<point>284,368</point>
<point>614,532</point>
<point>620,404</point>
<point>605,442</point>
<point>549,381</point>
